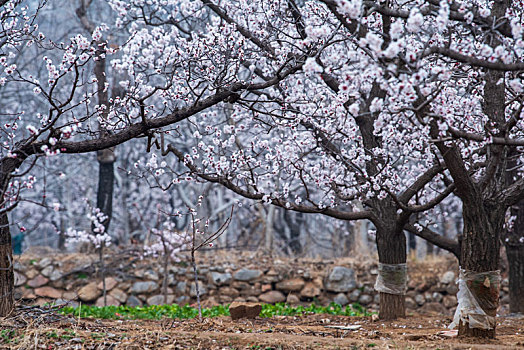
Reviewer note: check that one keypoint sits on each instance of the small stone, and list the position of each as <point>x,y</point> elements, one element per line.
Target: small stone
<point>239,310</point>
<point>354,295</point>
<point>437,297</point>
<point>201,289</point>
<point>341,299</point>
<point>151,275</point>
<point>292,299</point>
<point>110,284</point>
<point>228,291</point>
<point>17,266</point>
<point>266,288</point>
<point>449,301</point>
<point>433,309</point>
<point>160,300</point>
<point>220,279</point>
<point>89,292</point>
<point>182,300</point>
<point>181,287</point>
<point>133,301</point>
<point>38,281</point>
<point>48,292</point>
<point>119,295</point>
<point>56,275</point>
<point>69,295</point>
<point>419,299</point>
<point>272,297</point>
<point>20,279</point>
<point>252,299</point>
<point>448,277</point>
<point>341,279</point>
<point>110,301</point>
<point>310,290</point>
<point>452,289</point>
<point>291,285</point>
<point>143,287</point>
<point>410,303</point>
<point>45,262</point>
<point>224,299</point>
<point>365,299</point>
<point>247,274</point>
<point>31,273</point>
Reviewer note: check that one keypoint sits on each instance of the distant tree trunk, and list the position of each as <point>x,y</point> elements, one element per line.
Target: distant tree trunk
<point>7,277</point>
<point>514,243</point>
<point>106,179</point>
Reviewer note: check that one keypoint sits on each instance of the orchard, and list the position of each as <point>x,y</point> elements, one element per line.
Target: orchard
<point>297,124</point>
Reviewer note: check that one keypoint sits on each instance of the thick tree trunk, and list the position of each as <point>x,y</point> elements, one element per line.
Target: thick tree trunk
<point>391,248</point>
<point>7,277</point>
<point>483,225</point>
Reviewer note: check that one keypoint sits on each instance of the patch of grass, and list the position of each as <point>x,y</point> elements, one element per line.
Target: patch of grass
<point>81,275</point>
<point>184,312</point>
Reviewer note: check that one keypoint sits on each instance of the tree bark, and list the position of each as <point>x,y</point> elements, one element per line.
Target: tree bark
<point>515,254</point>
<point>391,246</point>
<point>514,243</point>
<point>7,277</point>
<point>483,224</point>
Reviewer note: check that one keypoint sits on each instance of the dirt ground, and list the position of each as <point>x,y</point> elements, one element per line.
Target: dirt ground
<point>49,331</point>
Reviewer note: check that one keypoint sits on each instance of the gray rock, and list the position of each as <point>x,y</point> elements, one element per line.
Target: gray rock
<point>47,270</point>
<point>20,279</point>
<point>45,262</point>
<point>365,299</point>
<point>220,279</point>
<point>182,300</point>
<point>159,300</point>
<point>181,287</point>
<point>19,266</point>
<point>410,303</point>
<point>201,289</point>
<point>272,297</point>
<point>151,275</point>
<point>353,296</point>
<point>341,279</point>
<point>143,287</point>
<point>247,274</point>
<point>449,301</point>
<point>437,297</point>
<point>341,299</point>
<point>133,301</point>
<point>419,299</point>
<point>448,277</point>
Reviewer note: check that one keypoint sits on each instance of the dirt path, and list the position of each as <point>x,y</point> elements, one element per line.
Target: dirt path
<point>306,332</point>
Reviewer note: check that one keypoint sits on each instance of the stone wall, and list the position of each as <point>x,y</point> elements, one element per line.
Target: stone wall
<point>133,281</point>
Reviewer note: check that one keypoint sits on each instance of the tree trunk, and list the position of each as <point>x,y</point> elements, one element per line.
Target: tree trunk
<point>391,247</point>
<point>106,178</point>
<point>514,244</point>
<point>481,253</point>
<point>7,277</point>
<point>515,254</point>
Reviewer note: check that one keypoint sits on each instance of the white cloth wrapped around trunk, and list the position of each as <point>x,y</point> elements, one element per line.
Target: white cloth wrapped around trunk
<point>468,309</point>
<point>392,278</point>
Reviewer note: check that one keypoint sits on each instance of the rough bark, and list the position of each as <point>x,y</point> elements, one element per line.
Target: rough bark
<point>481,253</point>
<point>391,246</point>
<point>7,277</point>
<point>514,243</point>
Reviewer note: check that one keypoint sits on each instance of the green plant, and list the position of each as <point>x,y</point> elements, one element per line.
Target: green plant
<point>184,312</point>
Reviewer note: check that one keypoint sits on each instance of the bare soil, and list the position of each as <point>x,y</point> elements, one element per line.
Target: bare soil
<point>282,332</point>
